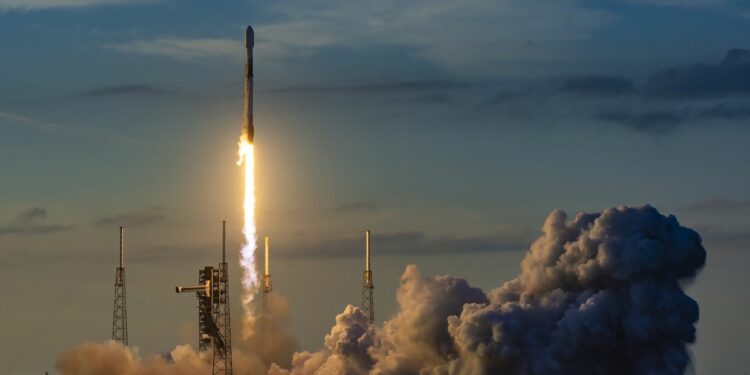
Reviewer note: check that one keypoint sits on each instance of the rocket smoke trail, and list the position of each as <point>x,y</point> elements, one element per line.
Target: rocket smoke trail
<point>247,253</point>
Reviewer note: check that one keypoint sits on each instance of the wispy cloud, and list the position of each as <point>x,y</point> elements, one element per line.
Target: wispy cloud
<point>664,121</point>
<point>132,89</point>
<point>716,205</point>
<point>31,221</point>
<point>413,243</point>
<point>397,86</point>
<point>679,3</point>
<point>28,5</point>
<point>35,123</point>
<point>32,214</point>
<point>456,35</point>
<point>135,218</point>
<point>182,49</point>
<point>57,128</point>
<point>658,122</point>
<point>597,85</point>
<point>358,206</point>
<point>173,253</point>
<point>731,76</point>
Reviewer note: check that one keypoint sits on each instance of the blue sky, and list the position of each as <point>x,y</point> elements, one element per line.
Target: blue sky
<point>451,130</point>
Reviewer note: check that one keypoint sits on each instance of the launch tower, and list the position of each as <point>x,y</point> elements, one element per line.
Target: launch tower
<point>120,313</point>
<point>214,322</point>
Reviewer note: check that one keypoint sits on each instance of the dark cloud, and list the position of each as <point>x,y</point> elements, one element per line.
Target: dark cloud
<point>654,122</point>
<point>663,121</point>
<point>413,243</point>
<point>27,223</point>
<point>597,85</point>
<point>32,214</point>
<point>357,207</point>
<point>675,96</point>
<point>135,89</point>
<point>142,217</point>
<point>729,77</point>
<point>401,86</point>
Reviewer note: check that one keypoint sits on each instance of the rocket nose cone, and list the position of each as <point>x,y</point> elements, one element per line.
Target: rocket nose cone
<point>249,37</point>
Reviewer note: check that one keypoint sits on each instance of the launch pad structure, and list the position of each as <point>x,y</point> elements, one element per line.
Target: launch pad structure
<point>214,318</point>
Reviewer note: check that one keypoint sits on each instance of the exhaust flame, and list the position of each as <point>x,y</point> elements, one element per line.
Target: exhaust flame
<point>247,253</point>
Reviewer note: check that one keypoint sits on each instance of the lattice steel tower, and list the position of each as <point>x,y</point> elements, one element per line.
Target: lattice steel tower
<point>368,303</point>
<point>214,323</point>
<point>222,363</point>
<point>120,314</point>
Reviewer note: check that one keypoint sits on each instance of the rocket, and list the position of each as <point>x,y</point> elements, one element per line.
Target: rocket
<point>248,130</point>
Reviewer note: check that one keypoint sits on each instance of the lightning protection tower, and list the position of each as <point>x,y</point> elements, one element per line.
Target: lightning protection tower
<point>120,314</point>
<point>368,303</point>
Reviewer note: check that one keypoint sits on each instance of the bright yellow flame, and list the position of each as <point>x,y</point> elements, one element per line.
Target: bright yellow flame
<point>247,253</point>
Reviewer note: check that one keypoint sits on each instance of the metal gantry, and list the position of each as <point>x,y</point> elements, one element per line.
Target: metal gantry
<point>368,302</point>
<point>120,313</point>
<point>214,320</point>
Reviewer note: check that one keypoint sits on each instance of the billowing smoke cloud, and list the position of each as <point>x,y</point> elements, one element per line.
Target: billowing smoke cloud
<point>267,336</point>
<point>345,350</point>
<point>598,294</point>
<point>114,359</point>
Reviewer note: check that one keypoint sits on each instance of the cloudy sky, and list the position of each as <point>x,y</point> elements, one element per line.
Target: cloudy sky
<point>450,129</point>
